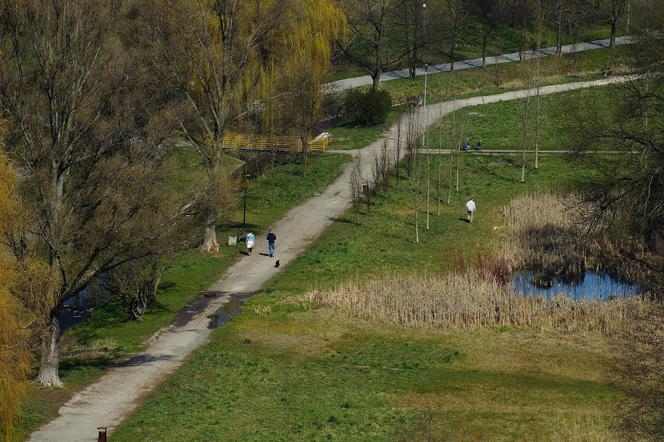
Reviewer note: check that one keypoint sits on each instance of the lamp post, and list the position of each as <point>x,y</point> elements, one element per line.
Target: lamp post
<point>244,202</point>
<point>426,111</point>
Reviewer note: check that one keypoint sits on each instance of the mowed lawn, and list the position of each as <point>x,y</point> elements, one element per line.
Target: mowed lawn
<point>289,370</point>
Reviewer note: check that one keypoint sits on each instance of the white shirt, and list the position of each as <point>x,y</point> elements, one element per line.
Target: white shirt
<point>470,206</point>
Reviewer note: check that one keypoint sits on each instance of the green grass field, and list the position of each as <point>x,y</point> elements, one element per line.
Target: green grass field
<point>499,125</point>
<point>288,370</point>
<point>384,241</point>
<point>284,372</point>
<point>570,68</point>
<point>108,334</point>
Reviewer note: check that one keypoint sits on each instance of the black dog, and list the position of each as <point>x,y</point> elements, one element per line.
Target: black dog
<point>276,264</point>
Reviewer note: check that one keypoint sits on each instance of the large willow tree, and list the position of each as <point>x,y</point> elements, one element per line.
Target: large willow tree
<point>229,58</point>
<point>306,63</point>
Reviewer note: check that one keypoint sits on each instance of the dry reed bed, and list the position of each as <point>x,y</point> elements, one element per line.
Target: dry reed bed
<point>545,232</point>
<point>467,300</point>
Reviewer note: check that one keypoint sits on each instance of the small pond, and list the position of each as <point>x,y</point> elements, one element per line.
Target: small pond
<point>591,286</point>
<point>75,309</point>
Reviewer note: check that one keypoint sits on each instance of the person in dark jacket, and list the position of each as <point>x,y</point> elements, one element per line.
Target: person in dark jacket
<point>271,243</point>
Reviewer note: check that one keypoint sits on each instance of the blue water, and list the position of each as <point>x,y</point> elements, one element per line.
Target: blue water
<point>592,286</point>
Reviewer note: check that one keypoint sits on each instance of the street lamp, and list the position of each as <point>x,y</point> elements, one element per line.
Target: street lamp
<point>426,111</point>
<point>426,67</point>
<point>244,202</point>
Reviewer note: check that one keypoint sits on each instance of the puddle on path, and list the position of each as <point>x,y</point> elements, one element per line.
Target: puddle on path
<point>591,286</point>
<point>195,307</point>
<point>229,310</point>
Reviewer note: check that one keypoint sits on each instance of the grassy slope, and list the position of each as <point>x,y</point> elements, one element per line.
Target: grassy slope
<point>286,370</point>
<point>89,348</point>
<point>384,242</point>
<point>471,82</point>
<point>499,125</point>
<point>571,67</point>
<point>297,374</point>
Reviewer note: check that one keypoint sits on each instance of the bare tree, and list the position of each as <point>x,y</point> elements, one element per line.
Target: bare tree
<point>567,14</point>
<point>615,9</point>
<point>411,143</point>
<point>374,45</point>
<point>440,170</point>
<point>524,113</point>
<point>487,13</point>
<point>356,186</point>
<point>453,16</point>
<point>89,131</point>
<point>397,151</point>
<point>411,20</point>
<point>415,165</point>
<point>540,15</point>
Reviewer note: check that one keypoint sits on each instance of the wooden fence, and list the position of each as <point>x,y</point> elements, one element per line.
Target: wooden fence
<point>236,141</point>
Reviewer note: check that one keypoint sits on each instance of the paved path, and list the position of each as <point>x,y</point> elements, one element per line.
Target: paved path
<point>519,152</point>
<point>365,80</point>
<point>106,402</point>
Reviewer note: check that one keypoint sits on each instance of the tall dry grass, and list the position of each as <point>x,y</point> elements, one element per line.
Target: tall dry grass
<point>563,235</point>
<point>470,299</point>
<point>546,233</point>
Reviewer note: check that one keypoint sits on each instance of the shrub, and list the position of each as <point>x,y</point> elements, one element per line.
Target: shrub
<point>368,108</point>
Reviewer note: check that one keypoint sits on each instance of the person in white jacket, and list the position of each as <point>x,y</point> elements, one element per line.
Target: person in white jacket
<point>470,207</point>
<point>250,242</point>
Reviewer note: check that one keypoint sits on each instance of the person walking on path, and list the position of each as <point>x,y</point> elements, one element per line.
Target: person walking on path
<point>470,207</point>
<point>250,243</point>
<point>271,240</point>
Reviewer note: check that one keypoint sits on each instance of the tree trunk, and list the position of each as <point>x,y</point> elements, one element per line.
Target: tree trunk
<point>614,26</point>
<point>428,189</point>
<point>452,58</point>
<point>484,43</point>
<point>210,243</point>
<point>305,150</point>
<point>440,147</point>
<point>559,31</point>
<point>375,77</point>
<point>153,285</point>
<point>50,357</point>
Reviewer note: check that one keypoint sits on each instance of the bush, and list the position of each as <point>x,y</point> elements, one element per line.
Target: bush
<point>368,108</point>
